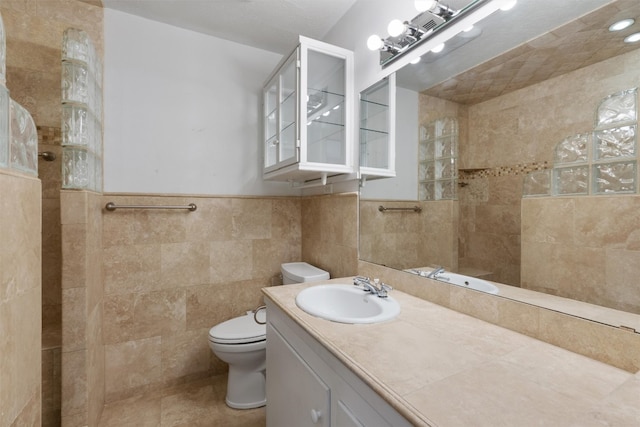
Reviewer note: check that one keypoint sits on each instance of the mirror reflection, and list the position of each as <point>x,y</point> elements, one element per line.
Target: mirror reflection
<point>525,164</point>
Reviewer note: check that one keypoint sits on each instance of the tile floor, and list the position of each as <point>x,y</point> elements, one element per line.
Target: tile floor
<point>196,404</point>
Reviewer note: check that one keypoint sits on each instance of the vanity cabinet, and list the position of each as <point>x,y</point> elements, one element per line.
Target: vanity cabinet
<point>309,386</point>
<point>377,129</point>
<point>307,114</point>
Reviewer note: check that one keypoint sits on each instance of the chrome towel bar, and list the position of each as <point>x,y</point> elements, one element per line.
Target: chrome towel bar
<point>112,207</point>
<point>416,209</point>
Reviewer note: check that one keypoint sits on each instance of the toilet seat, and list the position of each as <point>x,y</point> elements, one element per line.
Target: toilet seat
<point>239,330</point>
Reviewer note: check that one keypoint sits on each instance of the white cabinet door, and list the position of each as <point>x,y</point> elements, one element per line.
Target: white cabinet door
<point>345,418</point>
<point>296,396</point>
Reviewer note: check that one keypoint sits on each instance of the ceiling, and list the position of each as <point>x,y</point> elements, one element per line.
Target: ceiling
<point>272,25</point>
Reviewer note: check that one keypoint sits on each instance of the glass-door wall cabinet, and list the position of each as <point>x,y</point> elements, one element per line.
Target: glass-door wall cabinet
<point>307,107</point>
<point>377,129</point>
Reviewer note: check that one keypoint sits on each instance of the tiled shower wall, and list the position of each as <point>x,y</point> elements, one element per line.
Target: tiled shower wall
<point>406,239</point>
<point>20,299</point>
<point>501,139</point>
<point>83,376</point>
<point>34,31</point>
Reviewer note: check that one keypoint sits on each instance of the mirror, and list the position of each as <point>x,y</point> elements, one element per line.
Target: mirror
<point>504,109</point>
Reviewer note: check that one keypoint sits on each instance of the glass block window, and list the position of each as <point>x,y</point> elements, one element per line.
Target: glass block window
<point>437,160</point>
<point>81,112</point>
<point>617,108</point>
<point>573,149</point>
<point>537,183</point>
<point>571,180</point>
<point>602,162</point>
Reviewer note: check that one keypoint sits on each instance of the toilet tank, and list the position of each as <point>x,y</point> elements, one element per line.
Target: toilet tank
<point>299,272</point>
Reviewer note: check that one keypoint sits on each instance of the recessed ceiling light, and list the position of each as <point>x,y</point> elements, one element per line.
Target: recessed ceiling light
<point>621,25</point>
<point>635,37</point>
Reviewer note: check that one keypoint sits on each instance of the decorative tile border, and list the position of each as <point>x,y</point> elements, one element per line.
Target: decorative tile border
<point>515,170</point>
<point>49,135</point>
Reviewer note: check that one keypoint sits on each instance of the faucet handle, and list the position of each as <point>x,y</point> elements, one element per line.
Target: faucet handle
<point>385,287</point>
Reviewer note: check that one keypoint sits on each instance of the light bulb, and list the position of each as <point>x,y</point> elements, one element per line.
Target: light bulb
<point>424,5</point>
<point>374,42</point>
<point>415,60</point>
<point>508,5</point>
<point>396,27</point>
<point>438,48</point>
<point>632,38</point>
<point>621,25</point>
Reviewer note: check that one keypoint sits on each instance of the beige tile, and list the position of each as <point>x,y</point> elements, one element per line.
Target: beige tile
<point>567,372</point>
<point>185,354</point>
<point>620,349</point>
<point>74,382</point>
<point>211,304</point>
<point>140,227</point>
<point>131,365</point>
<point>184,264</point>
<point>231,261</point>
<point>268,255</point>
<point>509,399</point>
<point>475,303</point>
<point>136,411</point>
<point>74,252</point>
<point>133,268</point>
<point>519,317</point>
<point>74,319</point>
<point>135,316</point>
<point>73,207</point>
<point>212,221</point>
<point>252,218</point>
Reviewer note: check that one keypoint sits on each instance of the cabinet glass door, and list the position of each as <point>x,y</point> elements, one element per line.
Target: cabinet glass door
<point>377,118</point>
<point>280,108</point>
<point>325,124</point>
<point>270,125</point>
<point>288,97</point>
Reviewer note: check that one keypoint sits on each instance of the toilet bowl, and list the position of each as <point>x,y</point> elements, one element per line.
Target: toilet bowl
<point>241,342</point>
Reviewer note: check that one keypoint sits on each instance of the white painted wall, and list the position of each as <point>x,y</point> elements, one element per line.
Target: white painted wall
<point>181,111</point>
<point>405,184</point>
<point>367,17</point>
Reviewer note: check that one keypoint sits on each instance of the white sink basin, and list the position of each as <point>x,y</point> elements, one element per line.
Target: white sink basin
<point>346,304</point>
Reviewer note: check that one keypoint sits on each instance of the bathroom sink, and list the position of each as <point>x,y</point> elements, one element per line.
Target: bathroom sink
<point>346,304</point>
<point>468,282</point>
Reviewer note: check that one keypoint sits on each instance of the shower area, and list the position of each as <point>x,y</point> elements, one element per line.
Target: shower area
<point>54,71</point>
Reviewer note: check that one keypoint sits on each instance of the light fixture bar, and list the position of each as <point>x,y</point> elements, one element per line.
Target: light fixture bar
<point>433,20</point>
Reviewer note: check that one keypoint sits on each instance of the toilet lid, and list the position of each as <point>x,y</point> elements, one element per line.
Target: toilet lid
<point>239,330</point>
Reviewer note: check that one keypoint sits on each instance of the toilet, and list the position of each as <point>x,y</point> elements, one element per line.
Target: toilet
<point>241,342</point>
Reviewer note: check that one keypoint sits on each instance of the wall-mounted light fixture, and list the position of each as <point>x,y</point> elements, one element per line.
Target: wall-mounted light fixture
<point>434,16</point>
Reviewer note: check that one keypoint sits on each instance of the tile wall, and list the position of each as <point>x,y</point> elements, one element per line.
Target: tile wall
<point>83,358</point>
<point>523,128</point>
<point>34,31</point>
<point>406,239</point>
<point>589,247</point>
<point>169,276</point>
<point>330,233</point>
<point>20,300</point>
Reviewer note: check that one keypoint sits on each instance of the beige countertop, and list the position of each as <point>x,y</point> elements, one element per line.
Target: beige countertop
<point>438,367</point>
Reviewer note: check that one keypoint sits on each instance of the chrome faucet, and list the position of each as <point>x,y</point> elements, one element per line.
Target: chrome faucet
<point>377,287</point>
<point>433,274</point>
